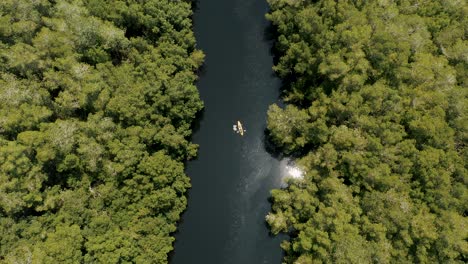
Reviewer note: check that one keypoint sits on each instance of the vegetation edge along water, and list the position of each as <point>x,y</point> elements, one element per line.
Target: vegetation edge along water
<point>376,95</point>
<point>97,100</point>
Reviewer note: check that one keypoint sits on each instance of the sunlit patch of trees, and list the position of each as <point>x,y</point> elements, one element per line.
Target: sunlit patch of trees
<point>377,94</point>
<point>97,98</point>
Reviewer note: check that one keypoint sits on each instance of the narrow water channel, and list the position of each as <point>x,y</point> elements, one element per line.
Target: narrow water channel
<point>232,177</point>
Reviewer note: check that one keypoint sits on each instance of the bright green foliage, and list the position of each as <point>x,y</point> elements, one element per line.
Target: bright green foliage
<point>378,112</point>
<point>97,99</point>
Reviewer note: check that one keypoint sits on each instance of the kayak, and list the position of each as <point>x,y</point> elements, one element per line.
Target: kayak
<point>240,128</point>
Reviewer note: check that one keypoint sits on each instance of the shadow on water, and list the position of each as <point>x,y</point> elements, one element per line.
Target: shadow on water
<point>197,121</point>
<point>270,34</point>
<point>195,4</point>
<point>201,71</point>
<point>270,147</point>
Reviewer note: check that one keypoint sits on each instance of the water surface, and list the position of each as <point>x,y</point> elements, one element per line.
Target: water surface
<point>232,177</point>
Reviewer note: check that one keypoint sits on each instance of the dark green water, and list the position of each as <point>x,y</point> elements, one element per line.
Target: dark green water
<point>232,177</point>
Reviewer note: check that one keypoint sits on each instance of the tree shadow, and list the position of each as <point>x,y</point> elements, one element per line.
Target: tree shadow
<point>201,71</point>
<point>195,4</point>
<point>270,147</point>
<point>270,34</point>
<point>196,122</point>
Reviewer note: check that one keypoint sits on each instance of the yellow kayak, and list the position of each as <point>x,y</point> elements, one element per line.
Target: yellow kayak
<point>240,128</point>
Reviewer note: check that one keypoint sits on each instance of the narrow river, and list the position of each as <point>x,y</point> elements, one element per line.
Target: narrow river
<point>232,177</point>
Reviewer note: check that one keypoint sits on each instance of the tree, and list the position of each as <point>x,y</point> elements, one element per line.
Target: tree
<point>375,92</point>
<point>98,99</point>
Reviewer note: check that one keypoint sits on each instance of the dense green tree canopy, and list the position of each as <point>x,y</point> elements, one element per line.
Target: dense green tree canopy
<point>378,115</point>
<point>96,103</point>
